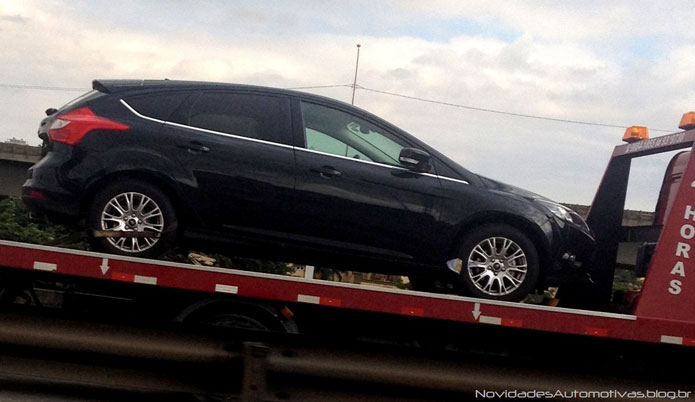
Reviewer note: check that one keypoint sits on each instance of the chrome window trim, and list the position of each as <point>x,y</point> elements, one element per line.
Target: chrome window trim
<point>452,179</point>
<point>239,137</point>
<point>380,164</point>
<point>348,158</point>
<point>204,130</point>
<point>142,116</point>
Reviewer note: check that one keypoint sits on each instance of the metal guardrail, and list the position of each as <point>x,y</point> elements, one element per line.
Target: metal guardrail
<point>256,366</point>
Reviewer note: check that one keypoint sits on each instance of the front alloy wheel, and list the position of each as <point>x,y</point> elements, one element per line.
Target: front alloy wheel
<point>500,262</point>
<point>497,266</point>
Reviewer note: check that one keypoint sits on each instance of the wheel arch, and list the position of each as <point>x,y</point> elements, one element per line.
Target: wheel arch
<point>147,176</point>
<point>528,227</point>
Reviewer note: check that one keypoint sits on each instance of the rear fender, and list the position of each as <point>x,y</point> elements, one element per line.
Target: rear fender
<point>137,164</point>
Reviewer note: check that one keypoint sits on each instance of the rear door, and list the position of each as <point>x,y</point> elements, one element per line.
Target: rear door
<point>237,164</point>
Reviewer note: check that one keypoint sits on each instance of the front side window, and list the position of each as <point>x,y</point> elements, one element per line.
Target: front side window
<point>338,133</point>
<point>318,141</point>
<point>261,117</point>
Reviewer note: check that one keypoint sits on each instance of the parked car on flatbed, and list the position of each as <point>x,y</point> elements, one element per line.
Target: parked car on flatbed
<point>292,174</point>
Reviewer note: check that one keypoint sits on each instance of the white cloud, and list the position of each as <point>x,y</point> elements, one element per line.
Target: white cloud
<point>566,21</point>
<point>559,65</point>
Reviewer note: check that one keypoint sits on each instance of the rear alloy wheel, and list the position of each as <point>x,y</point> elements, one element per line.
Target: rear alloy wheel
<point>499,262</point>
<point>137,208</point>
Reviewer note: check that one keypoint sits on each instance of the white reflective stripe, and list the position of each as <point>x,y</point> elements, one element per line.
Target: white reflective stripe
<point>309,299</point>
<point>45,266</point>
<point>490,320</point>
<point>148,280</point>
<point>168,123</point>
<point>676,340</point>
<point>226,288</point>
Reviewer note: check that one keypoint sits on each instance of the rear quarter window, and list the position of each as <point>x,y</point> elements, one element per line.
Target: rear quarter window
<point>159,105</point>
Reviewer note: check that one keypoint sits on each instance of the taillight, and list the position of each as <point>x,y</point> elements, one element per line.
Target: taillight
<point>71,127</point>
<point>36,194</point>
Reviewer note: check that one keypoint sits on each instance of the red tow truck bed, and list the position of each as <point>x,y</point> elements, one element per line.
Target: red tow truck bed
<point>345,296</point>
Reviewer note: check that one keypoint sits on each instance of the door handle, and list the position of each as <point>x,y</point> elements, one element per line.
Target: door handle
<point>327,172</point>
<point>195,147</point>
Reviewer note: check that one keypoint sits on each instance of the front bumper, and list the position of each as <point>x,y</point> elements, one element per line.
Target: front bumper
<point>571,255</point>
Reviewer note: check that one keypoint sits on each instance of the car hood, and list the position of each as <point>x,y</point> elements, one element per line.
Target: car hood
<point>508,188</point>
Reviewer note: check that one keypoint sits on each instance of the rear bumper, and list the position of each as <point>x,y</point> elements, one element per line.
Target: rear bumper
<point>44,194</point>
<point>51,204</point>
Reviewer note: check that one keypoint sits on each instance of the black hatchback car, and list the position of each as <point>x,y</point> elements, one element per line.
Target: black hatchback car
<point>293,175</point>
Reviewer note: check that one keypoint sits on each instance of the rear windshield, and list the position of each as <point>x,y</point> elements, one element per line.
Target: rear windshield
<point>82,98</point>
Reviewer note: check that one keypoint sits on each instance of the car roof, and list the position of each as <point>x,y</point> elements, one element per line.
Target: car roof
<point>121,86</point>
<point>124,86</point>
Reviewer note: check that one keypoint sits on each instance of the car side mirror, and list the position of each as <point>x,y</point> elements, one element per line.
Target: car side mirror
<point>415,159</point>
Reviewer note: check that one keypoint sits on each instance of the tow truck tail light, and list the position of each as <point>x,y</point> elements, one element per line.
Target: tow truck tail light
<point>636,133</point>
<point>687,121</point>
<point>71,127</point>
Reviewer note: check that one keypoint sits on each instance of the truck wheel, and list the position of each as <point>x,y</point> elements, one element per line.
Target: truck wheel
<point>239,315</point>
<point>499,262</point>
<point>133,206</point>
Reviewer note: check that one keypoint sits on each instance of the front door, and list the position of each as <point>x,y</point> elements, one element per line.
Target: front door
<point>353,193</point>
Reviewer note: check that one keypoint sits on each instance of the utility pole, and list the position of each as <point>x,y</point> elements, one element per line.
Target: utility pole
<point>354,83</point>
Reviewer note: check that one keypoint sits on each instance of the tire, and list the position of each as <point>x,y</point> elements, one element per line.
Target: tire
<point>238,315</point>
<point>129,206</point>
<point>508,273</point>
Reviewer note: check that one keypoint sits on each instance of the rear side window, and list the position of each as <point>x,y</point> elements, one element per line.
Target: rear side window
<point>262,117</point>
<point>159,105</point>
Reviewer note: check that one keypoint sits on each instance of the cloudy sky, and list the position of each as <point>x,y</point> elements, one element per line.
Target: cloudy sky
<point>615,63</point>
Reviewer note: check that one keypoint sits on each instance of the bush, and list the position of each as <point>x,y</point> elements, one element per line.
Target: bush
<point>233,262</point>
<point>16,225</point>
